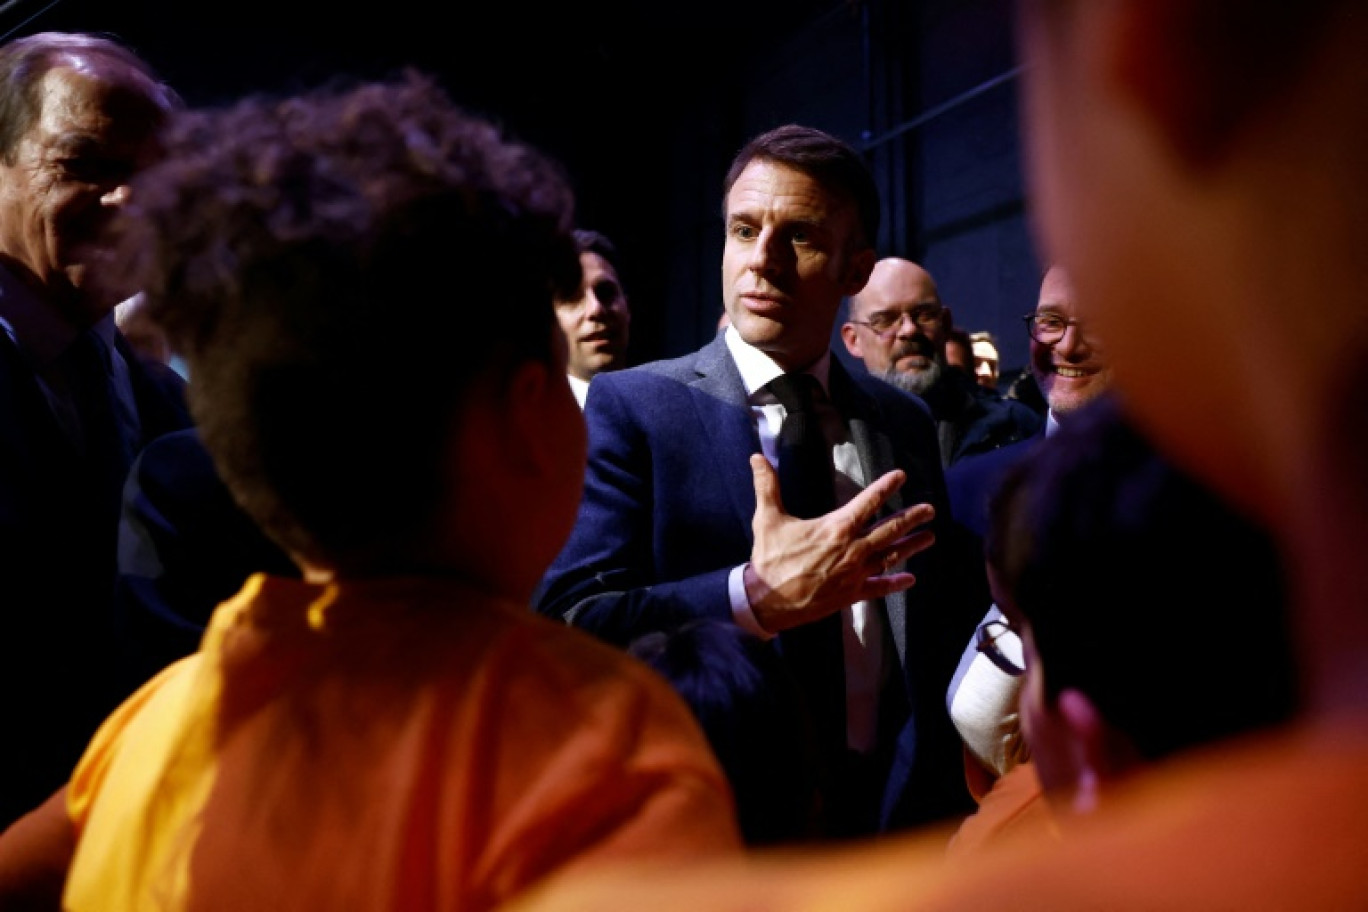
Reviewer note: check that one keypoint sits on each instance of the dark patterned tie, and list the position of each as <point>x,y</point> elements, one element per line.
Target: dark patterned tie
<point>813,651</point>
<point>805,468</point>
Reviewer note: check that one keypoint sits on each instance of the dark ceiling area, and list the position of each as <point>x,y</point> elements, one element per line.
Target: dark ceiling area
<point>615,90</point>
<point>598,84</point>
<point>563,74</point>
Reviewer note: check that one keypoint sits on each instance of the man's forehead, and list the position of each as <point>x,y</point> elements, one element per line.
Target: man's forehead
<point>767,189</point>
<point>908,299</point>
<point>1056,291</point>
<point>87,104</point>
<point>903,289</point>
<point>1060,303</point>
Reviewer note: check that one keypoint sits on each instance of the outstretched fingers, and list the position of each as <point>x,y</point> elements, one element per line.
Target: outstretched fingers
<point>900,550</point>
<point>891,540</point>
<point>864,507</point>
<point>902,528</point>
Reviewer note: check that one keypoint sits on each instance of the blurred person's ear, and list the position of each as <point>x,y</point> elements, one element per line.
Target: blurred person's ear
<point>858,269</point>
<point>1085,740</point>
<point>851,337</point>
<point>1077,753</point>
<point>1067,742</point>
<point>531,442</point>
<point>518,474</point>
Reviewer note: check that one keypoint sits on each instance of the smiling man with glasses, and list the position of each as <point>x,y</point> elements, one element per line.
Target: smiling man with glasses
<point>1068,362</point>
<point>1070,368</point>
<point>898,327</point>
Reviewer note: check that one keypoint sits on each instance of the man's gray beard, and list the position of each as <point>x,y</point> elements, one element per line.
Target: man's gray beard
<point>914,382</point>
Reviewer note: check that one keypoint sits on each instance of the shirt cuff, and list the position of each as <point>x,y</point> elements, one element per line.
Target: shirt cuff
<point>740,604</point>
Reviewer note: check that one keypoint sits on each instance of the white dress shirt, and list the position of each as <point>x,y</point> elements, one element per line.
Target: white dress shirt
<point>579,387</point>
<point>862,623</point>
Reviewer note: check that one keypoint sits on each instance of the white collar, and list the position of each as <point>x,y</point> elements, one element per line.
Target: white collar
<point>757,368</point>
<point>579,387</point>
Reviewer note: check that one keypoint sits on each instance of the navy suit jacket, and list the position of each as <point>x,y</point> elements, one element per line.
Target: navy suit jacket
<point>973,481</point>
<point>59,671</point>
<point>666,515</point>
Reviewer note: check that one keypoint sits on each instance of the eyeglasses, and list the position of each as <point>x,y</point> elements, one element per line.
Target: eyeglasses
<point>1047,328</point>
<point>882,322</point>
<point>989,640</point>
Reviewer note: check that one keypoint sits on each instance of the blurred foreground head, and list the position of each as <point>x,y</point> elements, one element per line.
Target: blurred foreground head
<point>1208,203</point>
<point>1145,594</point>
<point>1198,167</point>
<point>300,254</point>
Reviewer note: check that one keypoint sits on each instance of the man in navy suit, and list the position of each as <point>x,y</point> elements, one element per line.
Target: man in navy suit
<point>78,115</point>
<point>682,516</point>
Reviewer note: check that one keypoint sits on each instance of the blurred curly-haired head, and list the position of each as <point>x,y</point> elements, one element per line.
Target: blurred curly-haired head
<point>1142,588</point>
<point>339,270</point>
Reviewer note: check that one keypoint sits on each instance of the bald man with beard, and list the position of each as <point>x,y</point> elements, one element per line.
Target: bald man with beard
<point>899,327</point>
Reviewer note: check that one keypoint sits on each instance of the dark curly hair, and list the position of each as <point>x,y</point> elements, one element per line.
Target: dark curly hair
<point>339,270</point>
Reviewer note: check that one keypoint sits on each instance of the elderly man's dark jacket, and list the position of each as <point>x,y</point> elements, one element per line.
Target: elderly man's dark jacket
<point>60,672</point>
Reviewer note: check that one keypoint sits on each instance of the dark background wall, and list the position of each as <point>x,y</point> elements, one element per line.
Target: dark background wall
<point>644,104</point>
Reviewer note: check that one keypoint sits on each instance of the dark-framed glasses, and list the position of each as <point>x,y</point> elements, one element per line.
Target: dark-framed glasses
<point>883,322</point>
<point>1047,328</point>
<point>1000,644</point>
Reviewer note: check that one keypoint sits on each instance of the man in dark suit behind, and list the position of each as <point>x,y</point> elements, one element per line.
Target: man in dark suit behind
<point>682,517</point>
<point>78,115</point>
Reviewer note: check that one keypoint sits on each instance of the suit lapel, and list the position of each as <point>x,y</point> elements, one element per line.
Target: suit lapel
<point>724,414</point>
<point>865,422</point>
<point>875,448</point>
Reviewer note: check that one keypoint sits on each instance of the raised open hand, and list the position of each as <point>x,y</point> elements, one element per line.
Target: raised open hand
<point>802,570</point>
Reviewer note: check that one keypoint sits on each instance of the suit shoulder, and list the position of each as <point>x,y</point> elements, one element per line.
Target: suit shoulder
<point>644,390</point>
<point>652,373</point>
<point>991,462</point>
<point>683,367</point>
<point>972,481</point>
<point>1018,412</point>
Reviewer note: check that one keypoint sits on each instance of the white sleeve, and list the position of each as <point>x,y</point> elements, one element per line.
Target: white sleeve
<point>982,701</point>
